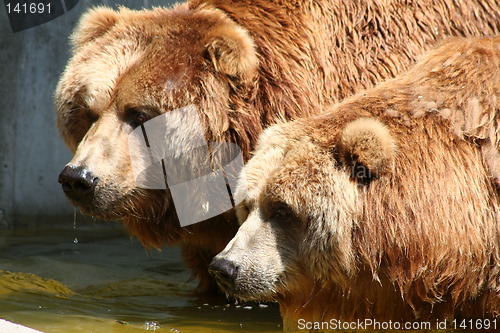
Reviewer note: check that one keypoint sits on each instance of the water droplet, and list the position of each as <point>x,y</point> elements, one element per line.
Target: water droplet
<point>75,240</point>
<point>151,326</point>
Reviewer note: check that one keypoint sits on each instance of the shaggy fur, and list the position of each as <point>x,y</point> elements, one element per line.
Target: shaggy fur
<point>245,65</point>
<point>415,236</point>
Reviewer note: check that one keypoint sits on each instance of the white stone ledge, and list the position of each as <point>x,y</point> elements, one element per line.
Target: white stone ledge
<point>8,327</point>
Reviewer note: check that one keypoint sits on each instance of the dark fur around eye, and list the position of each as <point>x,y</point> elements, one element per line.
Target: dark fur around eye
<point>136,116</point>
<point>78,120</point>
<point>281,211</point>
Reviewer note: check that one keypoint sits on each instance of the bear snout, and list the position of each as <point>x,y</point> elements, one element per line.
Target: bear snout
<point>225,272</point>
<point>78,183</point>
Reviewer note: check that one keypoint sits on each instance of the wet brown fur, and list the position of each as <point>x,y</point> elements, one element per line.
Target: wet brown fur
<point>420,239</point>
<point>246,65</point>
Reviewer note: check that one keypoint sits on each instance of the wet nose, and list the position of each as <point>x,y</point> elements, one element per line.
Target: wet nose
<point>77,182</point>
<point>225,272</point>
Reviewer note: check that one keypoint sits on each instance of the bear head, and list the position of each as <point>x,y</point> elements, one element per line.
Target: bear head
<point>299,204</point>
<point>128,67</point>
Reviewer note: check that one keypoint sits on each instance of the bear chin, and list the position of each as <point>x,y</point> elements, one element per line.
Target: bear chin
<point>251,289</point>
<point>147,206</point>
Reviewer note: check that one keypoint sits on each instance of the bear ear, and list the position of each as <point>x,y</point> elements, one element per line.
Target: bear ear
<point>367,148</point>
<point>93,24</point>
<point>232,51</point>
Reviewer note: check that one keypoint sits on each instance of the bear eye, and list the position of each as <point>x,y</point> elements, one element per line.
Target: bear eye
<point>141,118</point>
<point>81,110</point>
<point>282,211</point>
<point>90,115</point>
<point>78,121</point>
<point>136,117</point>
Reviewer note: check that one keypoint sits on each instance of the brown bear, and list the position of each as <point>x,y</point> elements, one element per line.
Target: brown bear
<point>244,65</point>
<point>380,208</point>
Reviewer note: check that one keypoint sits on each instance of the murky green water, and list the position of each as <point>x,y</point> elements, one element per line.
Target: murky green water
<point>95,279</point>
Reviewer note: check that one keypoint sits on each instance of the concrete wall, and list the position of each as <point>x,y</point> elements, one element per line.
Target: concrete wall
<point>31,151</point>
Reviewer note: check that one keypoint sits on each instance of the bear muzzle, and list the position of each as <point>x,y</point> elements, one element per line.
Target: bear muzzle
<point>225,273</point>
<point>78,183</point>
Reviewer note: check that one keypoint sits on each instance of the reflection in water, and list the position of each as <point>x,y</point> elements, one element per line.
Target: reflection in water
<point>106,283</point>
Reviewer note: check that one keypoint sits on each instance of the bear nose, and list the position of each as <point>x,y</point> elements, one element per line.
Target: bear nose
<point>76,181</point>
<point>225,272</point>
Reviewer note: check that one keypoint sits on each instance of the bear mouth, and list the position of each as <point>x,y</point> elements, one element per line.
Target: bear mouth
<point>104,207</point>
<point>108,204</point>
<point>245,290</point>
<point>256,292</point>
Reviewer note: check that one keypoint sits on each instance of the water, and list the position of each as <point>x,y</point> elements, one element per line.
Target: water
<point>93,278</point>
